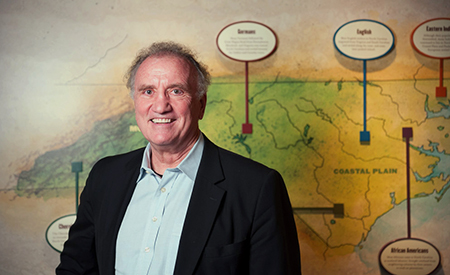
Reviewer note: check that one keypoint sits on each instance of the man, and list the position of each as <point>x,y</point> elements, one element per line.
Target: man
<point>181,205</point>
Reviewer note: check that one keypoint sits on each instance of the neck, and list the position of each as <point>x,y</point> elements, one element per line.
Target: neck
<point>164,158</point>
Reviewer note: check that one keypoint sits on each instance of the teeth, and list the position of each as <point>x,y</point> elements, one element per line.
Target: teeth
<point>161,120</point>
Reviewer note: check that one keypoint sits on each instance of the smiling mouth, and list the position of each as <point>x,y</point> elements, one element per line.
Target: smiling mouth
<point>162,120</point>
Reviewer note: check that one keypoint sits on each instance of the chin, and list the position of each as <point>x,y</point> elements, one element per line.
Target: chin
<point>160,141</point>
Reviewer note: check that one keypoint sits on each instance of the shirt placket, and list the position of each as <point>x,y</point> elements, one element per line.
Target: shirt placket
<point>156,218</point>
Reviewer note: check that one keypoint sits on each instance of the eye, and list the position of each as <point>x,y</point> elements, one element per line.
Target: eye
<point>177,92</point>
<point>148,92</point>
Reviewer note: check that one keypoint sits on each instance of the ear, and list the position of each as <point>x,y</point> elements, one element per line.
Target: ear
<point>202,106</point>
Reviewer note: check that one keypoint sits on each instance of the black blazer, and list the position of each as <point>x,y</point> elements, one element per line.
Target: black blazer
<point>239,219</point>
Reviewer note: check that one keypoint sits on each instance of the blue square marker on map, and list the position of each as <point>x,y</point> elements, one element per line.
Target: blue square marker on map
<point>364,137</point>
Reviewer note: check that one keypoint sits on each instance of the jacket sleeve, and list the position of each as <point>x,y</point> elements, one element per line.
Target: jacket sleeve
<point>78,255</point>
<point>274,247</point>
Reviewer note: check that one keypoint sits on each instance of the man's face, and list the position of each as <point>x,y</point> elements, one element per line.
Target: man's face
<point>166,103</point>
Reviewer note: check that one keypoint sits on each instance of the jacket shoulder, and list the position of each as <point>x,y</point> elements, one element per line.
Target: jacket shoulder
<point>126,159</point>
<point>232,171</point>
<point>238,163</point>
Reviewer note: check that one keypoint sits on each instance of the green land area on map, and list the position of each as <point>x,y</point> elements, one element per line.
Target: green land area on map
<point>309,132</point>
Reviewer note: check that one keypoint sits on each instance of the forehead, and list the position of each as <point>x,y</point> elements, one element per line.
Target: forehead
<point>167,66</point>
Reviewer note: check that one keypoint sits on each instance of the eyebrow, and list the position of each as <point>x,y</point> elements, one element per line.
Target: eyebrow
<point>183,86</point>
<point>145,87</point>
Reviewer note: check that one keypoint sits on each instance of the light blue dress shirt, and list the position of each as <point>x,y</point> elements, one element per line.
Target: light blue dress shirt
<point>150,232</point>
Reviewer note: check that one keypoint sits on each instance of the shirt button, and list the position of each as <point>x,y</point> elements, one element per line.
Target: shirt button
<point>163,189</point>
<point>147,249</point>
<point>154,219</point>
<point>147,172</point>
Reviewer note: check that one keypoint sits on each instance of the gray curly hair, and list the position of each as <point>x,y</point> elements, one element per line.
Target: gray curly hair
<point>164,49</point>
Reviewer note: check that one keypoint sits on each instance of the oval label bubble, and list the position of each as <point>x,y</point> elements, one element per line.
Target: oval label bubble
<point>246,41</point>
<point>364,39</point>
<point>58,232</point>
<point>409,257</point>
<point>432,38</point>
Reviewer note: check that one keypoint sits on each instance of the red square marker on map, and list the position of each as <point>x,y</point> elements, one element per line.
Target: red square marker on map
<point>407,132</point>
<point>441,91</point>
<point>247,128</point>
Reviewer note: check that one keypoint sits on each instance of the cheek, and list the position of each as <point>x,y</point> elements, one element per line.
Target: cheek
<point>182,108</point>
<point>140,108</point>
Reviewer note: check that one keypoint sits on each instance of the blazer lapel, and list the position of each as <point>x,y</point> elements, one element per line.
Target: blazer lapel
<point>205,201</point>
<point>119,197</point>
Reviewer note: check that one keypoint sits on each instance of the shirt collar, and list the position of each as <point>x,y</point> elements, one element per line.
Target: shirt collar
<point>189,165</point>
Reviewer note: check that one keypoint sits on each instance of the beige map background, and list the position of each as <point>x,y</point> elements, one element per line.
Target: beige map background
<point>61,69</point>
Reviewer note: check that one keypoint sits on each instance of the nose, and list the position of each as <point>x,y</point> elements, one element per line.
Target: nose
<point>161,104</point>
